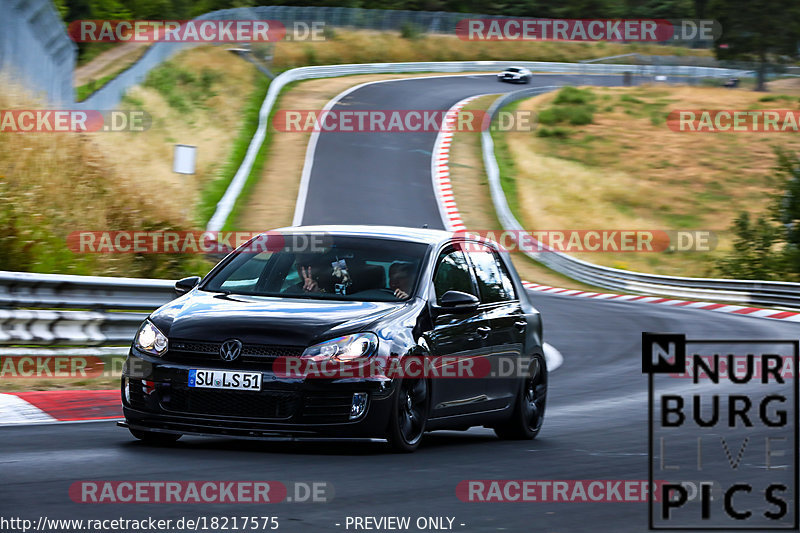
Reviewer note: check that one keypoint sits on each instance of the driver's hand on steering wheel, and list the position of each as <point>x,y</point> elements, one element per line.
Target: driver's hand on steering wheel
<point>400,294</point>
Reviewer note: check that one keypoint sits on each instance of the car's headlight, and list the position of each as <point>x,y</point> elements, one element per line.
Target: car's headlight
<point>347,348</point>
<point>150,340</point>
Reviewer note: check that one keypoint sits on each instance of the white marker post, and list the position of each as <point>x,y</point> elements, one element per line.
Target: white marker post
<point>183,159</point>
<point>183,162</point>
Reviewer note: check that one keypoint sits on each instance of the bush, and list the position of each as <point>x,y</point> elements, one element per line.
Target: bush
<point>181,88</point>
<point>329,33</point>
<point>630,99</point>
<point>573,95</point>
<point>657,118</point>
<point>409,30</point>
<point>570,106</point>
<point>769,247</point>
<point>580,115</point>
<point>551,115</point>
<point>558,132</point>
<point>311,55</point>
<point>577,115</point>
<point>775,98</point>
<point>754,255</point>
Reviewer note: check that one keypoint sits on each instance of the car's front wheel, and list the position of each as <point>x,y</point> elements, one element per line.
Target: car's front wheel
<point>409,415</point>
<point>152,437</point>
<point>526,422</point>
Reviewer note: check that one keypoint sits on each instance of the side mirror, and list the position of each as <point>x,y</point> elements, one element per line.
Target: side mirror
<point>184,285</point>
<point>457,302</point>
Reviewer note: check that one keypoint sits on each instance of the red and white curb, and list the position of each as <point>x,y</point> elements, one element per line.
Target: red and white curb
<point>708,306</point>
<point>440,172</point>
<point>45,407</point>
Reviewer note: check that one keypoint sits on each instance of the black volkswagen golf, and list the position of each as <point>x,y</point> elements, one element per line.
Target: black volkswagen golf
<point>342,332</point>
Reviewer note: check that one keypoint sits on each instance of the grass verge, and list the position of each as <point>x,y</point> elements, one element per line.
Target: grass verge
<point>624,168</point>
<point>215,189</point>
<point>473,197</point>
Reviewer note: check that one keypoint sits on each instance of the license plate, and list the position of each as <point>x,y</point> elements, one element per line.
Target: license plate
<point>225,379</point>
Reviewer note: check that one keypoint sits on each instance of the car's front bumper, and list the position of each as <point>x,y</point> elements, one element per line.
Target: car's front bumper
<point>161,401</point>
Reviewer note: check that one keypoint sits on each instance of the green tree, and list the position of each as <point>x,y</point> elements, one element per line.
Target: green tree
<point>756,30</point>
<point>769,247</point>
<point>787,209</point>
<point>754,255</point>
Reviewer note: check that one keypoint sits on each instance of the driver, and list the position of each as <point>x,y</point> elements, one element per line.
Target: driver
<point>311,271</point>
<point>400,278</point>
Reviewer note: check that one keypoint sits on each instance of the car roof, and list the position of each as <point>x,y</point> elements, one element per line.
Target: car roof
<point>400,233</point>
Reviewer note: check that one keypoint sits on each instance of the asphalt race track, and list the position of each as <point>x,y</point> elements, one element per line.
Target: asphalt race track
<point>385,178</point>
<point>596,424</point>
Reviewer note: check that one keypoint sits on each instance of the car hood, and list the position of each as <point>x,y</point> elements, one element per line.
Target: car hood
<point>215,317</point>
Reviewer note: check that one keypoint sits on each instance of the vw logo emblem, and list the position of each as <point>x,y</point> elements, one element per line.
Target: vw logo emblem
<point>230,349</point>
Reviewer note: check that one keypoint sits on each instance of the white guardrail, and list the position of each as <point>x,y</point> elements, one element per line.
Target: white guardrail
<point>40,309</point>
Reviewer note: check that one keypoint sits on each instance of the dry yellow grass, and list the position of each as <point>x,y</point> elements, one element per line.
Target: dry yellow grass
<point>56,183</point>
<point>626,172</point>
<point>145,158</point>
<point>788,86</point>
<point>372,46</point>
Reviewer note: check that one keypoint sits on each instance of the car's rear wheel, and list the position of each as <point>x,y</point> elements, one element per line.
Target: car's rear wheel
<point>526,422</point>
<point>152,437</point>
<point>409,415</point>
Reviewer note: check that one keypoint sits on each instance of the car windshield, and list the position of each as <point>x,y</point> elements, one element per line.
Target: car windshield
<point>323,266</point>
<point>512,69</point>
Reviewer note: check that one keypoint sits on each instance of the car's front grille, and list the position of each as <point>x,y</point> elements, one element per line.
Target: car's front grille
<point>266,404</point>
<point>313,408</point>
<point>181,351</point>
<point>195,347</point>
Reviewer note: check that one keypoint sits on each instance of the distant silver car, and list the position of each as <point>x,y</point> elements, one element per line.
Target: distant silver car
<point>515,75</point>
